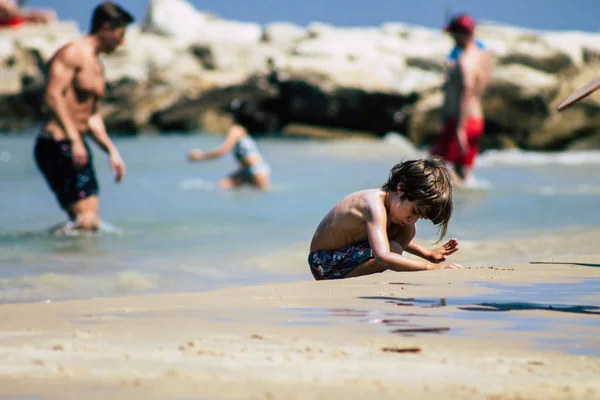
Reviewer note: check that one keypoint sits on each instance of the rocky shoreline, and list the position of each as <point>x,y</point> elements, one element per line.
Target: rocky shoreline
<point>376,79</point>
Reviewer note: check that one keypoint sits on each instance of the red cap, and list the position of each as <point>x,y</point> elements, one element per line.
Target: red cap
<point>462,22</point>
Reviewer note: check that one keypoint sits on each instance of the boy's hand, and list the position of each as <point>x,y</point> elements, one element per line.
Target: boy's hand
<point>195,155</point>
<point>441,253</point>
<point>444,266</point>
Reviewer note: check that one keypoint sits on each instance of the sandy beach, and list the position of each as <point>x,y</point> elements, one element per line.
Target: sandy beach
<point>180,290</point>
<point>444,334</point>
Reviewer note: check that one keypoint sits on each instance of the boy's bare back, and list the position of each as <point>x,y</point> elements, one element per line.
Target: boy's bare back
<point>346,222</point>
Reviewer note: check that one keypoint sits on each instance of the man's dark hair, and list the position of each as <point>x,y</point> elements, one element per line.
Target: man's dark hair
<point>110,13</point>
<point>428,184</point>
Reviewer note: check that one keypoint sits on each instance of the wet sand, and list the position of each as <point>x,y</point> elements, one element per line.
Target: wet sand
<point>451,334</point>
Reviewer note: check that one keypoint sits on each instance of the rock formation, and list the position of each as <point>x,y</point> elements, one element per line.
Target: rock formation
<point>183,76</point>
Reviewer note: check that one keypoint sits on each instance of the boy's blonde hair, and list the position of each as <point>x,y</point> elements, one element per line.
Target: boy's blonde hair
<point>428,183</point>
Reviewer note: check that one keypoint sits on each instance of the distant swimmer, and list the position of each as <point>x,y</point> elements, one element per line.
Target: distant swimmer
<point>253,169</point>
<point>467,79</point>
<point>75,87</point>
<point>12,15</point>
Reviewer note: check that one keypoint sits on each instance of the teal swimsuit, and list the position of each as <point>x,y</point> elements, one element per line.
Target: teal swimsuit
<point>244,148</point>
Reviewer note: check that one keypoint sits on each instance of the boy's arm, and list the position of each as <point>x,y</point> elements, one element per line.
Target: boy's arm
<point>418,250</point>
<point>232,137</point>
<point>380,246</point>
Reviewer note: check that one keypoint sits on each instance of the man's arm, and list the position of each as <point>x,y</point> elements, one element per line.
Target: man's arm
<point>100,136</point>
<point>60,78</point>
<point>468,79</point>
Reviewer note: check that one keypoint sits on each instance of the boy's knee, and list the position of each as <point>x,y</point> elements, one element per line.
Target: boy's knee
<point>88,221</point>
<point>396,247</point>
<point>400,244</point>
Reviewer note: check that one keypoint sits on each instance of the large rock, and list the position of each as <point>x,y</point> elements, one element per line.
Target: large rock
<point>7,50</point>
<point>426,118</point>
<point>226,56</point>
<point>10,81</point>
<point>179,20</point>
<point>44,39</point>
<point>332,73</point>
<point>184,75</point>
<point>518,101</point>
<point>576,124</point>
<point>536,49</point>
<point>147,98</point>
<point>283,34</point>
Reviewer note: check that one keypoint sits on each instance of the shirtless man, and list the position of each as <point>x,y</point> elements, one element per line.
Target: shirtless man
<point>75,86</point>
<point>466,82</point>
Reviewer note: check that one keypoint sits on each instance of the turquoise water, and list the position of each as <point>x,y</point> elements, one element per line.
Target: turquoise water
<point>167,228</point>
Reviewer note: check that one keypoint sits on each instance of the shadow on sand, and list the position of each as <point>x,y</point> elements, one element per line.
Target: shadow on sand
<point>486,306</point>
<point>565,263</point>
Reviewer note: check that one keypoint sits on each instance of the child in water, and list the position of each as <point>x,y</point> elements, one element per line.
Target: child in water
<point>368,231</point>
<point>253,169</point>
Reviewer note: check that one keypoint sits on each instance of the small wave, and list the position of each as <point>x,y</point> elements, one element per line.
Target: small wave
<point>196,184</point>
<point>518,157</point>
<point>106,227</point>
<point>477,185</point>
<point>57,286</point>
<point>392,145</point>
<point>400,142</point>
<point>582,189</point>
<point>66,230</point>
<point>69,229</point>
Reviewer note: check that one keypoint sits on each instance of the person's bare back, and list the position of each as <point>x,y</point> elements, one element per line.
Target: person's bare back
<point>468,75</point>
<point>473,68</point>
<point>345,223</point>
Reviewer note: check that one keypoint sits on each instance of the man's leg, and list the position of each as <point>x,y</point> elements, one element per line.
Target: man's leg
<point>474,130</point>
<point>85,214</point>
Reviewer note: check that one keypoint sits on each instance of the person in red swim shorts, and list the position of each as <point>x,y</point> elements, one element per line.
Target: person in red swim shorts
<point>13,16</point>
<point>466,82</point>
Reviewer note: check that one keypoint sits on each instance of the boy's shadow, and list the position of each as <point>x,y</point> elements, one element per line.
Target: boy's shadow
<point>565,263</point>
